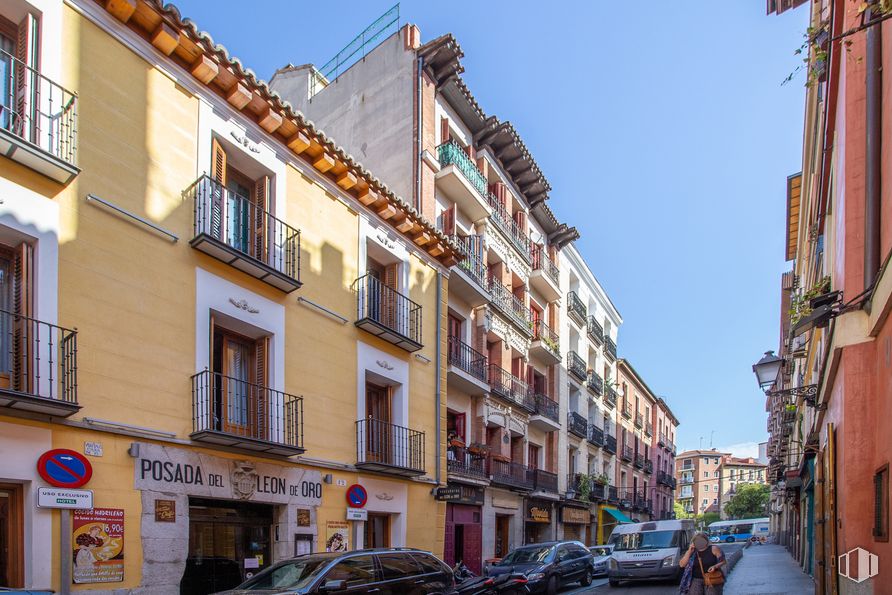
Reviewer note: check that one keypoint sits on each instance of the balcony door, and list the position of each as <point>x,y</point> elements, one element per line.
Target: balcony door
<point>382,294</point>
<point>17,330</point>
<point>11,536</point>
<point>379,440</point>
<point>240,371</point>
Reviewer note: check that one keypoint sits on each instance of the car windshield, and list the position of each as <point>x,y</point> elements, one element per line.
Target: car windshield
<point>600,551</point>
<point>527,555</point>
<point>646,540</point>
<point>293,574</point>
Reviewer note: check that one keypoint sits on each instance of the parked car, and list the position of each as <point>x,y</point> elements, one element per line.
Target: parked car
<point>384,571</point>
<point>649,550</point>
<point>548,566</point>
<point>601,557</point>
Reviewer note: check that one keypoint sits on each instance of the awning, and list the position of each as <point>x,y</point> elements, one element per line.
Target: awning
<point>619,516</point>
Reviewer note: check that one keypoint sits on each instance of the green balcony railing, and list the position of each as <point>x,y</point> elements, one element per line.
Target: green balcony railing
<point>451,153</point>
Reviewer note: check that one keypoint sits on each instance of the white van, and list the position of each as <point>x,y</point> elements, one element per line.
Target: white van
<point>648,550</point>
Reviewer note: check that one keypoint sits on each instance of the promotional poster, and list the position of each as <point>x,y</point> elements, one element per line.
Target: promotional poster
<point>98,542</point>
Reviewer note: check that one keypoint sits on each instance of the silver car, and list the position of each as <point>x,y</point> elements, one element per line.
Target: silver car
<point>601,555</point>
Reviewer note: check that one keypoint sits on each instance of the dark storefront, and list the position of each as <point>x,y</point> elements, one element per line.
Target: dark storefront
<point>537,521</point>
<point>576,522</point>
<point>464,528</point>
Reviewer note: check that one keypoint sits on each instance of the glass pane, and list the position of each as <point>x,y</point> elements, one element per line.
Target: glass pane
<point>356,571</point>
<point>397,566</point>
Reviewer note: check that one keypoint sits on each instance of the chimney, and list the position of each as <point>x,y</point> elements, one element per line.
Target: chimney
<point>412,37</point>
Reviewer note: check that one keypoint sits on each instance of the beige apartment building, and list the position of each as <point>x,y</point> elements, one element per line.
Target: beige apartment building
<point>733,473</point>
<point>699,478</point>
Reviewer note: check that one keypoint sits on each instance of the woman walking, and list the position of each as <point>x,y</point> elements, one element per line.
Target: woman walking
<point>702,568</point>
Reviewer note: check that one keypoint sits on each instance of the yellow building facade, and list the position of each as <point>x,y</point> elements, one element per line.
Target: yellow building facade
<point>232,321</point>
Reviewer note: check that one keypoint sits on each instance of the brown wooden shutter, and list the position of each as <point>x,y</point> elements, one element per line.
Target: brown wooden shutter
<point>449,221</point>
<point>26,80</point>
<point>261,208</point>
<point>445,135</point>
<point>23,328</point>
<point>520,219</point>
<point>261,380</point>
<point>388,295</point>
<point>218,175</point>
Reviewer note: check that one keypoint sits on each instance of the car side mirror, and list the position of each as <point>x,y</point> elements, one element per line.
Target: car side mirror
<point>333,585</point>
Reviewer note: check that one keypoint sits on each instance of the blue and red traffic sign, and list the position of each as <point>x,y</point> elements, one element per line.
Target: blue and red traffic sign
<point>64,468</point>
<point>356,496</point>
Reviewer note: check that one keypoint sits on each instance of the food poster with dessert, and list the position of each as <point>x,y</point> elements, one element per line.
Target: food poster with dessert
<point>98,542</point>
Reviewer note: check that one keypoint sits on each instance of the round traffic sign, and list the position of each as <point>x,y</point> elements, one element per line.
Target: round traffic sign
<point>357,496</point>
<point>64,468</point>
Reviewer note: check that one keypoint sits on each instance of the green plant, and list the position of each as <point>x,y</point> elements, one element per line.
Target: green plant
<point>790,407</point>
<point>584,485</point>
<point>601,479</point>
<point>800,304</point>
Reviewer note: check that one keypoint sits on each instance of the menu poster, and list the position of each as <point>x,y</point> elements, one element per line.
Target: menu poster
<point>98,542</point>
<point>337,536</point>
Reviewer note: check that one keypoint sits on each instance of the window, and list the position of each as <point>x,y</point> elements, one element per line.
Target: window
<point>240,368</point>
<point>706,488</point>
<point>356,571</point>
<point>706,474</point>
<point>705,502</point>
<point>394,566</point>
<point>715,474</point>
<point>881,504</point>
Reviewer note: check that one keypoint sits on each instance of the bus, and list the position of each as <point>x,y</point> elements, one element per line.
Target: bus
<point>739,530</point>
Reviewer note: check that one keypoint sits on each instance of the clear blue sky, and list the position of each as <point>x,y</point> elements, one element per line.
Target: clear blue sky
<point>666,136</point>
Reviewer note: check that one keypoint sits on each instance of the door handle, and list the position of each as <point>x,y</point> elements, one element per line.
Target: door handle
<point>373,590</point>
<point>420,581</point>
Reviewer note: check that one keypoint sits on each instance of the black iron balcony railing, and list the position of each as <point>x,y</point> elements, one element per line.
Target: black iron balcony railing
<point>639,420</point>
<point>510,305</point>
<point>244,415</point>
<point>389,448</point>
<point>509,387</point>
<point>460,461</point>
<point>451,153</point>
<point>609,348</point>
<point>466,358</point>
<point>648,428</point>
<point>595,435</point>
<point>386,313</point>
<point>661,440</point>
<point>627,409</point>
<point>626,453</point>
<point>545,481</point>
<point>610,443</point>
<point>232,228</point>
<point>577,425</point>
<point>648,466</point>
<point>639,461</point>
<point>595,383</point>
<point>576,366</point>
<point>575,308</point>
<point>38,110</point>
<point>612,494</point>
<point>512,475</point>
<point>541,262</point>
<point>595,330</point>
<point>667,480</point>
<point>509,227</point>
<point>598,493</point>
<point>550,339</point>
<point>473,264</point>
<point>610,395</point>
<point>38,365</point>
<point>546,407</point>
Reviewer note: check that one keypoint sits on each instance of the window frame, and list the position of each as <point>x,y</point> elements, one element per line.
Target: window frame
<point>880,530</point>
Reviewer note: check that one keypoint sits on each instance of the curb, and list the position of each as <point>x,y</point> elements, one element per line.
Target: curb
<point>734,558</point>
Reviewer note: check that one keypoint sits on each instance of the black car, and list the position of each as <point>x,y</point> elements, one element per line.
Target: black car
<point>548,566</point>
<point>387,571</point>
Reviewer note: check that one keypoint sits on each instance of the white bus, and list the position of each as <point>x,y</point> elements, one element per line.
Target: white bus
<point>739,530</point>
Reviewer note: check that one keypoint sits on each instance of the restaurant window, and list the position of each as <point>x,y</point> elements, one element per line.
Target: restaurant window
<point>881,504</point>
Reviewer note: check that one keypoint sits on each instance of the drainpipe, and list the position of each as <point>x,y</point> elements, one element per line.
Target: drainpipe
<point>418,127</point>
<point>873,109</point>
<point>437,396</point>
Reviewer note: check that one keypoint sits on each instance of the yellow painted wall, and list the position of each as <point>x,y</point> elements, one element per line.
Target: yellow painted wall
<point>131,292</point>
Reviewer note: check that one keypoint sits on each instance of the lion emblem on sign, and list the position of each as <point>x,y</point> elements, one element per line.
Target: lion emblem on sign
<point>244,480</point>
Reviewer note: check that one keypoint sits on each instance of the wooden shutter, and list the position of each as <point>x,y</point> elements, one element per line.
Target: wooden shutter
<point>261,401</point>
<point>23,328</point>
<point>445,135</point>
<point>25,79</point>
<point>520,218</point>
<point>261,221</point>
<point>460,422</point>
<point>388,296</point>
<point>218,175</point>
<point>498,190</point>
<point>448,221</point>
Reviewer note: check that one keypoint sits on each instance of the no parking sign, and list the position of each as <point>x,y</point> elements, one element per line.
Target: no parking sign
<point>356,496</point>
<point>64,468</point>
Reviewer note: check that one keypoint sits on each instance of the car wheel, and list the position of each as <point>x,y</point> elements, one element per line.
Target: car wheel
<point>551,588</point>
<point>587,579</point>
<point>729,539</point>
<point>614,583</point>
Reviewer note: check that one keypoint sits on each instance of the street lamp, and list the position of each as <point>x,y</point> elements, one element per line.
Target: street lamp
<point>767,369</point>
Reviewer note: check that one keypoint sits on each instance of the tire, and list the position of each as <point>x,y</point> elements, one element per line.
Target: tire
<point>552,586</point>
<point>613,583</point>
<point>587,579</point>
<point>729,539</point>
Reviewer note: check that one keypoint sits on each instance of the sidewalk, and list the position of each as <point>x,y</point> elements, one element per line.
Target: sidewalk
<point>768,570</point>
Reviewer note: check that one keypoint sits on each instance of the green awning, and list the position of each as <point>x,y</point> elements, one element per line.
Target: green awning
<point>618,515</point>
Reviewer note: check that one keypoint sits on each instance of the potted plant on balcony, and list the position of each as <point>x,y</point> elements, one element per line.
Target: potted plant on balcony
<point>602,479</point>
<point>497,456</point>
<point>584,485</point>
<point>479,449</point>
<point>455,441</point>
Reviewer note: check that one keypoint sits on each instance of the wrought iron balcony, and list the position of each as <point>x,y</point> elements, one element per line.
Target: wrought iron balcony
<point>610,443</point>
<point>460,461</point>
<point>648,466</point>
<point>609,348</point>
<point>576,308</point>
<point>511,475</point>
<point>541,262</point>
<point>38,121</point>
<point>648,428</point>
<point>387,314</point>
<point>548,339</point>
<point>598,493</point>
<point>595,435</point>
<point>545,481</point>
<point>661,440</point>
<point>610,395</point>
<point>235,230</point>
<point>389,448</point>
<point>627,409</point>
<point>576,366</point>
<point>685,479</point>
<point>510,388</point>
<point>451,153</point>
<point>466,358</point>
<point>546,407</point>
<point>230,412</point>
<point>639,420</point>
<point>577,425</point>
<point>666,479</point>
<point>626,453</point>
<point>594,383</point>
<point>510,306</point>
<point>612,494</point>
<point>38,366</point>
<point>474,266</point>
<point>509,228</point>
<point>639,461</point>
<point>595,330</point>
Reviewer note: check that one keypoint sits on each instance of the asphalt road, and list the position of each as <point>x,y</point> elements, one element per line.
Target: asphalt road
<point>648,588</point>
